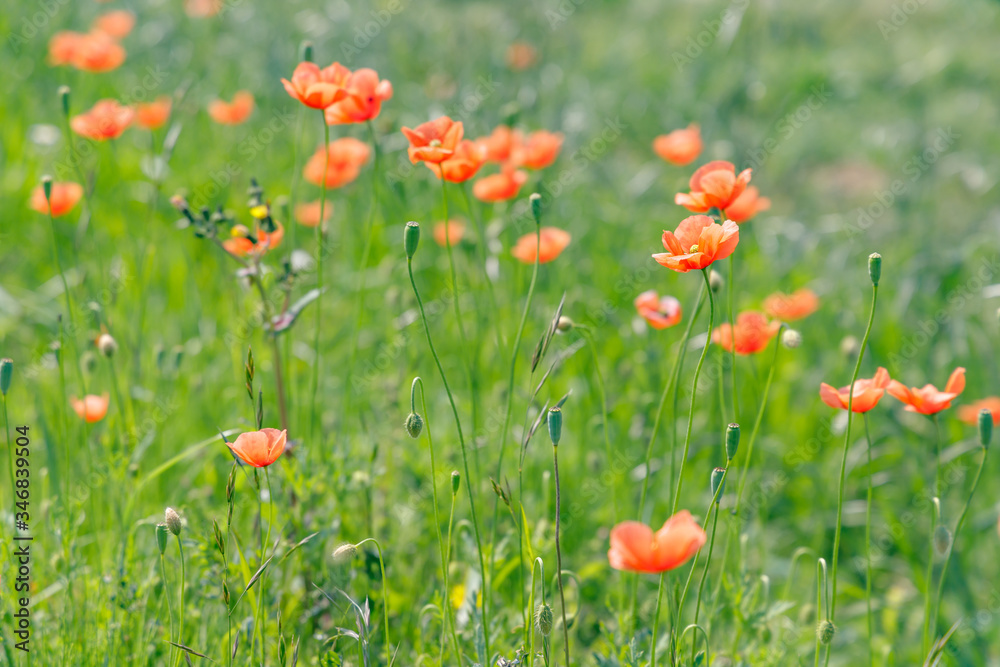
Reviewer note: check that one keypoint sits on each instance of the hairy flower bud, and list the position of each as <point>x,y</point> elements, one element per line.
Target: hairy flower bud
<point>825,631</point>
<point>564,324</point>
<point>536,207</point>
<point>107,345</point>
<point>543,619</point>
<point>942,540</point>
<point>345,552</point>
<point>791,339</point>
<point>63,93</point>
<point>414,424</point>
<point>172,520</point>
<point>715,280</point>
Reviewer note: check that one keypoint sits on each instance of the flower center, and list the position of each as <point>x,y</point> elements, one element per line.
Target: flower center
<point>694,248</point>
<point>435,143</point>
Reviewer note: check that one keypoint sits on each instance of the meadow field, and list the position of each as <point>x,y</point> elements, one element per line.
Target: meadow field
<point>499,333</point>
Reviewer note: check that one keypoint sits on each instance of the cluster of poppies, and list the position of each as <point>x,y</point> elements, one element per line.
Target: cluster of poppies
<point>98,50</point>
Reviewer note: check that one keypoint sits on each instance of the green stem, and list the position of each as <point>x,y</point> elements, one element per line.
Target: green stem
<point>656,620</point>
<point>559,570</point>
<point>929,574</point>
<point>180,630</point>
<point>166,594</point>
<point>385,598</point>
<point>732,352</point>
<point>320,251</point>
<point>494,308</point>
<point>704,575</point>
<point>868,548</point>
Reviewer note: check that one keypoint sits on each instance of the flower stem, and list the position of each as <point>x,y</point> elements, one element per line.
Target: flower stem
<point>562,595</point>
<point>320,251</point>
<point>180,630</point>
<point>868,548</point>
<point>166,594</point>
<point>385,598</point>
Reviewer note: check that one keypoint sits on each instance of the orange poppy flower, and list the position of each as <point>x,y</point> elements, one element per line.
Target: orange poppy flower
<point>500,187</point>
<point>63,46</point>
<point>867,393</point>
<point>500,144</point>
<point>64,197</point>
<point>259,448</point>
<point>455,232</point>
<point>679,147</point>
<point>232,113</point>
<point>747,205</point>
<point>201,9</point>
<point>928,400</point>
<point>92,408</point>
<point>347,156</point>
<point>308,213</point>
<point>241,246</point>
<point>365,94</point>
<point>753,331</point>
<point>636,548</point>
<point>550,245</point>
<point>660,312</point>
<point>698,242</point>
<point>106,120</point>
<point>115,24</point>
<point>152,115</point>
<point>435,140</point>
<point>970,413</point>
<point>790,307</point>
<point>539,150</point>
<point>521,56</point>
<point>462,164</point>
<point>715,184</point>
<point>97,52</point>
<point>317,88</point>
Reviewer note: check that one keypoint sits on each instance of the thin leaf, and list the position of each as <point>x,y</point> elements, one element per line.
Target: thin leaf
<point>253,580</point>
<point>189,650</point>
<point>300,543</point>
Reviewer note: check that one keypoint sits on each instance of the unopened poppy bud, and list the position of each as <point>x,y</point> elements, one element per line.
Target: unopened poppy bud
<point>63,93</point>
<point>543,619</point>
<point>849,347</point>
<point>718,483</point>
<point>345,552</point>
<point>172,520</point>
<point>89,361</point>
<point>536,207</point>
<point>715,280</point>
<point>942,540</point>
<point>732,440</point>
<point>6,373</point>
<point>456,480</point>
<point>306,51</point>
<point>791,339</point>
<point>414,424</point>
<point>564,324</point>
<point>875,267</point>
<point>411,237</point>
<point>107,345</point>
<point>985,423</point>
<point>555,425</point>
<point>825,631</point>
<point>161,537</point>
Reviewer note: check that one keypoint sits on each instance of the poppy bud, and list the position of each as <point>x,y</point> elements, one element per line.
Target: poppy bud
<point>536,207</point>
<point>718,483</point>
<point>107,345</point>
<point>456,480</point>
<point>543,619</point>
<point>6,371</point>
<point>715,280</point>
<point>345,552</point>
<point>875,267</point>
<point>414,424</point>
<point>825,631</point>
<point>89,361</point>
<point>564,324</point>
<point>791,339</point>
<point>161,537</point>
<point>942,539</point>
<point>63,93</point>
<point>47,187</point>
<point>732,440</point>
<point>172,520</point>
<point>306,51</point>
<point>411,237</point>
<point>555,425</point>
<point>985,421</point>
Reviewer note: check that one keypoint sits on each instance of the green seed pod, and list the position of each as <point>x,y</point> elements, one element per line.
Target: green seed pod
<point>985,424</point>
<point>172,520</point>
<point>732,440</point>
<point>161,537</point>
<point>543,619</point>
<point>718,483</point>
<point>825,631</point>
<point>47,187</point>
<point>6,373</point>
<point>942,540</point>
<point>414,424</point>
<point>875,267</point>
<point>306,51</point>
<point>555,425</point>
<point>536,207</point>
<point>456,481</point>
<point>411,238</point>
<point>63,93</point>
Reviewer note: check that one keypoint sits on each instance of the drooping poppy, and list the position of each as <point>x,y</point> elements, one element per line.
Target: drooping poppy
<point>867,393</point>
<point>500,187</point>
<point>636,548</point>
<point>660,312</point>
<point>538,150</point>
<point>308,213</point>
<point>64,197</point>
<point>697,242</point>
<point>259,448</point>
<point>927,400</point>
<point>435,140</point>
<point>747,205</point>
<point>363,102</point>
<point>91,408</point>
<point>714,185</point>
<point>152,115</point>
<point>452,236</point>
<point>317,88</point>
<point>462,164</point>
<point>970,413</point>
<point>347,156</point>
<point>790,307</point>
<point>679,147</point>
<point>105,120</point>
<point>547,245</point>
<point>751,334</point>
<point>232,113</point>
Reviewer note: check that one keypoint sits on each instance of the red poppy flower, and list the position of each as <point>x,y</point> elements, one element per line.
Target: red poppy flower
<point>659,312</point>
<point>455,232</point>
<point>241,246</point>
<point>501,143</point>
<point>308,213</point>
<point>259,448</point>
<point>106,120</point>
<point>232,113</point>
<point>550,245</point>
<point>521,56</point>
<point>96,52</point>
<point>63,45</point>
<point>153,114</point>
<point>115,24</point>
<point>64,197</point>
<point>747,205</point>
<point>679,147</point>
<point>867,393</point>
<point>462,164</point>
<point>714,185</point>
<point>753,331</point>
<point>500,187</point>
<point>347,156</point>
<point>538,150</point>
<point>92,408</point>
<point>698,242</point>
<point>636,548</point>
<point>435,140</point>
<point>317,88</point>
<point>928,400</point>
<point>791,307</point>
<point>365,94</point>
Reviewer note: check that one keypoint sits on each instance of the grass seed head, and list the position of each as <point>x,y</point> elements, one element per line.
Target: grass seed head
<point>172,520</point>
